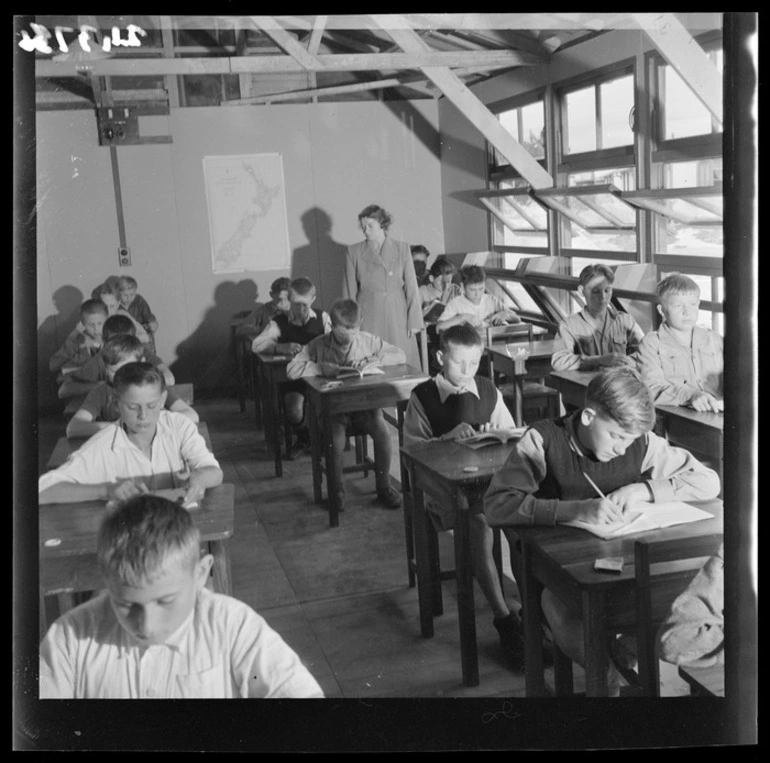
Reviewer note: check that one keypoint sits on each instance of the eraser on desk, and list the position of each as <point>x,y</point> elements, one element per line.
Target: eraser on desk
<point>612,564</point>
<point>470,468</point>
<point>51,542</point>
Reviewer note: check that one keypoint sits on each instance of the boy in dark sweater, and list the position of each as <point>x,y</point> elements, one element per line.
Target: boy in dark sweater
<point>611,442</point>
<point>286,334</point>
<point>452,405</point>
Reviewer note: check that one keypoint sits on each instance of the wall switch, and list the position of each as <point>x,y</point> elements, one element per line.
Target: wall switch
<point>124,256</point>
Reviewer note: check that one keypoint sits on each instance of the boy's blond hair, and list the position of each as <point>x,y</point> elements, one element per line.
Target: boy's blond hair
<point>676,283</point>
<point>345,312</point>
<point>143,538</point>
<point>620,394</point>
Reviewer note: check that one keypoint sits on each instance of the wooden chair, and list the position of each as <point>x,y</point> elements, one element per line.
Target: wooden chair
<point>667,566</point>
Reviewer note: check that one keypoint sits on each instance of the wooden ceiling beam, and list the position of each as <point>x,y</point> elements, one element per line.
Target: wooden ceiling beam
<point>342,62</point>
<point>287,42</point>
<point>474,110</point>
<point>683,53</point>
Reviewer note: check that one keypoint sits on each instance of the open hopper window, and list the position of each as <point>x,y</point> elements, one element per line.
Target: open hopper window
<point>597,208</point>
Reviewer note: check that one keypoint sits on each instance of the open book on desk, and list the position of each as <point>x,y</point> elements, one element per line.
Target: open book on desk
<point>370,369</point>
<point>492,437</point>
<point>644,517</point>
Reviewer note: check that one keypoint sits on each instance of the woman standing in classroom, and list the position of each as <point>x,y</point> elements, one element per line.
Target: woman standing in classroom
<point>380,276</point>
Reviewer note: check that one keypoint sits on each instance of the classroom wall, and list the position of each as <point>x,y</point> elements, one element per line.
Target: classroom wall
<point>337,158</point>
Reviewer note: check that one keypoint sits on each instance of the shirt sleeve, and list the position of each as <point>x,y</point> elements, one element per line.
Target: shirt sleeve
<point>663,391</point>
<point>57,664</point>
<point>305,362</point>
<point>192,446</point>
<point>675,474</point>
<point>634,335</point>
<point>267,339</point>
<point>451,310</point>
<point>264,665</point>
<point>564,357</point>
<point>66,352</point>
<point>144,314</point>
<point>88,372</point>
<point>95,402</point>
<point>417,427</point>
<point>86,466</point>
<point>693,632</point>
<point>389,354</point>
<point>510,498</point>
<point>501,417</point>
<point>326,321</point>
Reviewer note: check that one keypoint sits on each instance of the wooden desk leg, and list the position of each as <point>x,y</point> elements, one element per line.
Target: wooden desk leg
<point>276,409</point>
<point>332,487</point>
<point>241,379</point>
<point>595,643</point>
<point>562,673</point>
<point>257,385</point>
<point>533,634</point>
<point>465,603</point>
<point>422,556</point>
<point>315,447</point>
<point>221,567</point>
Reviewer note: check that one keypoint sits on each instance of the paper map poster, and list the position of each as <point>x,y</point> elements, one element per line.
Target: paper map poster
<point>247,212</point>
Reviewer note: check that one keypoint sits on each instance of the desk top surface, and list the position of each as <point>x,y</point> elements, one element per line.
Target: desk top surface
<point>76,525</point>
<point>67,445</point>
<point>538,348</point>
<point>269,359</point>
<point>578,377</point>
<point>705,418</point>
<point>449,460</point>
<point>400,374</point>
<point>575,550</point>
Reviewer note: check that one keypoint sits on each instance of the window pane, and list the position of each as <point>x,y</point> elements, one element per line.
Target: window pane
<point>704,172</point>
<point>526,124</point>
<point>617,100</point>
<point>685,115</point>
<point>623,178</point>
<point>581,121</point>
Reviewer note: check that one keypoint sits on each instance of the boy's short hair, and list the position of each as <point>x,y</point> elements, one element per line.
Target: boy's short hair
<point>419,249</point>
<point>110,284</point>
<point>378,213</point>
<point>471,274</point>
<point>143,537</point>
<point>441,266</point>
<point>137,374</point>
<point>302,286</point>
<point>118,324</point>
<point>279,285</point>
<point>345,312</point>
<point>91,306</point>
<point>126,282</point>
<point>461,333</point>
<point>589,272</point>
<point>676,283</point>
<point>119,347</point>
<point>620,394</point>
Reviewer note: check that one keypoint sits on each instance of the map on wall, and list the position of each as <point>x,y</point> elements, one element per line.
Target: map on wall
<point>247,212</point>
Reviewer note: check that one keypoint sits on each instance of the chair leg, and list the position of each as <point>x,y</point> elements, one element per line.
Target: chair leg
<point>562,673</point>
<point>365,454</point>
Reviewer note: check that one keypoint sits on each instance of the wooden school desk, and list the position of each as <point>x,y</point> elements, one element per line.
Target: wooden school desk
<point>534,362</point>
<point>392,388</point>
<point>269,372</point>
<point>705,682</point>
<point>70,566</point>
<point>67,445</point>
<point>444,471</point>
<point>571,386</point>
<point>561,559</point>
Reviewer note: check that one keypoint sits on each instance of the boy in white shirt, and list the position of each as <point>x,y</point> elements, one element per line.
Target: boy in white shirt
<point>156,631</point>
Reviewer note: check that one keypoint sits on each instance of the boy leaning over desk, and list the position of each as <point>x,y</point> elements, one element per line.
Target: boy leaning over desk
<point>553,474</point>
<point>157,632</point>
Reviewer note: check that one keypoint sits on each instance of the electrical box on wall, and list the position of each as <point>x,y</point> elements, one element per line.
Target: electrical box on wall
<point>124,256</point>
<point>118,126</point>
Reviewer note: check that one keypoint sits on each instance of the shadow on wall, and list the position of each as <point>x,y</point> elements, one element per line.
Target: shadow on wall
<point>207,357</point>
<point>322,260</point>
<point>50,336</point>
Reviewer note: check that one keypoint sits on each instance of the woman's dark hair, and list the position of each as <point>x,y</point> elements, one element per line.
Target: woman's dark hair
<point>378,214</point>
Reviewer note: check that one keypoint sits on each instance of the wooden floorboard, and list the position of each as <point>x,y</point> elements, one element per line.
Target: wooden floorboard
<point>340,597</point>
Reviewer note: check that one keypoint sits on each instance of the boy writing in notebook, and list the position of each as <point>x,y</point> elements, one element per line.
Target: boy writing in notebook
<point>156,631</point>
<point>595,338</point>
<point>84,341</point>
<point>453,405</point>
<point>254,323</point>
<point>345,346</point>
<point>94,371</point>
<point>135,304</point>
<point>147,448</point>
<point>682,363</point>
<point>287,334</point>
<point>553,474</point>
<point>474,305</point>
<point>100,406</point>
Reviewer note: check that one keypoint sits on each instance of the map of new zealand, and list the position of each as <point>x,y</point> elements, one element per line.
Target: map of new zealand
<point>247,212</point>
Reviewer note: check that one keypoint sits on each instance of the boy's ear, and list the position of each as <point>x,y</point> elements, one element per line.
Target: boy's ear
<point>581,291</point>
<point>163,398</point>
<point>440,357</point>
<point>587,416</point>
<point>660,311</point>
<point>203,569</point>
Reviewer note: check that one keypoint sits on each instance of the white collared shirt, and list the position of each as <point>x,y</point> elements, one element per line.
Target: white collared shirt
<point>417,427</point>
<point>109,456</point>
<point>489,305</point>
<point>223,650</point>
